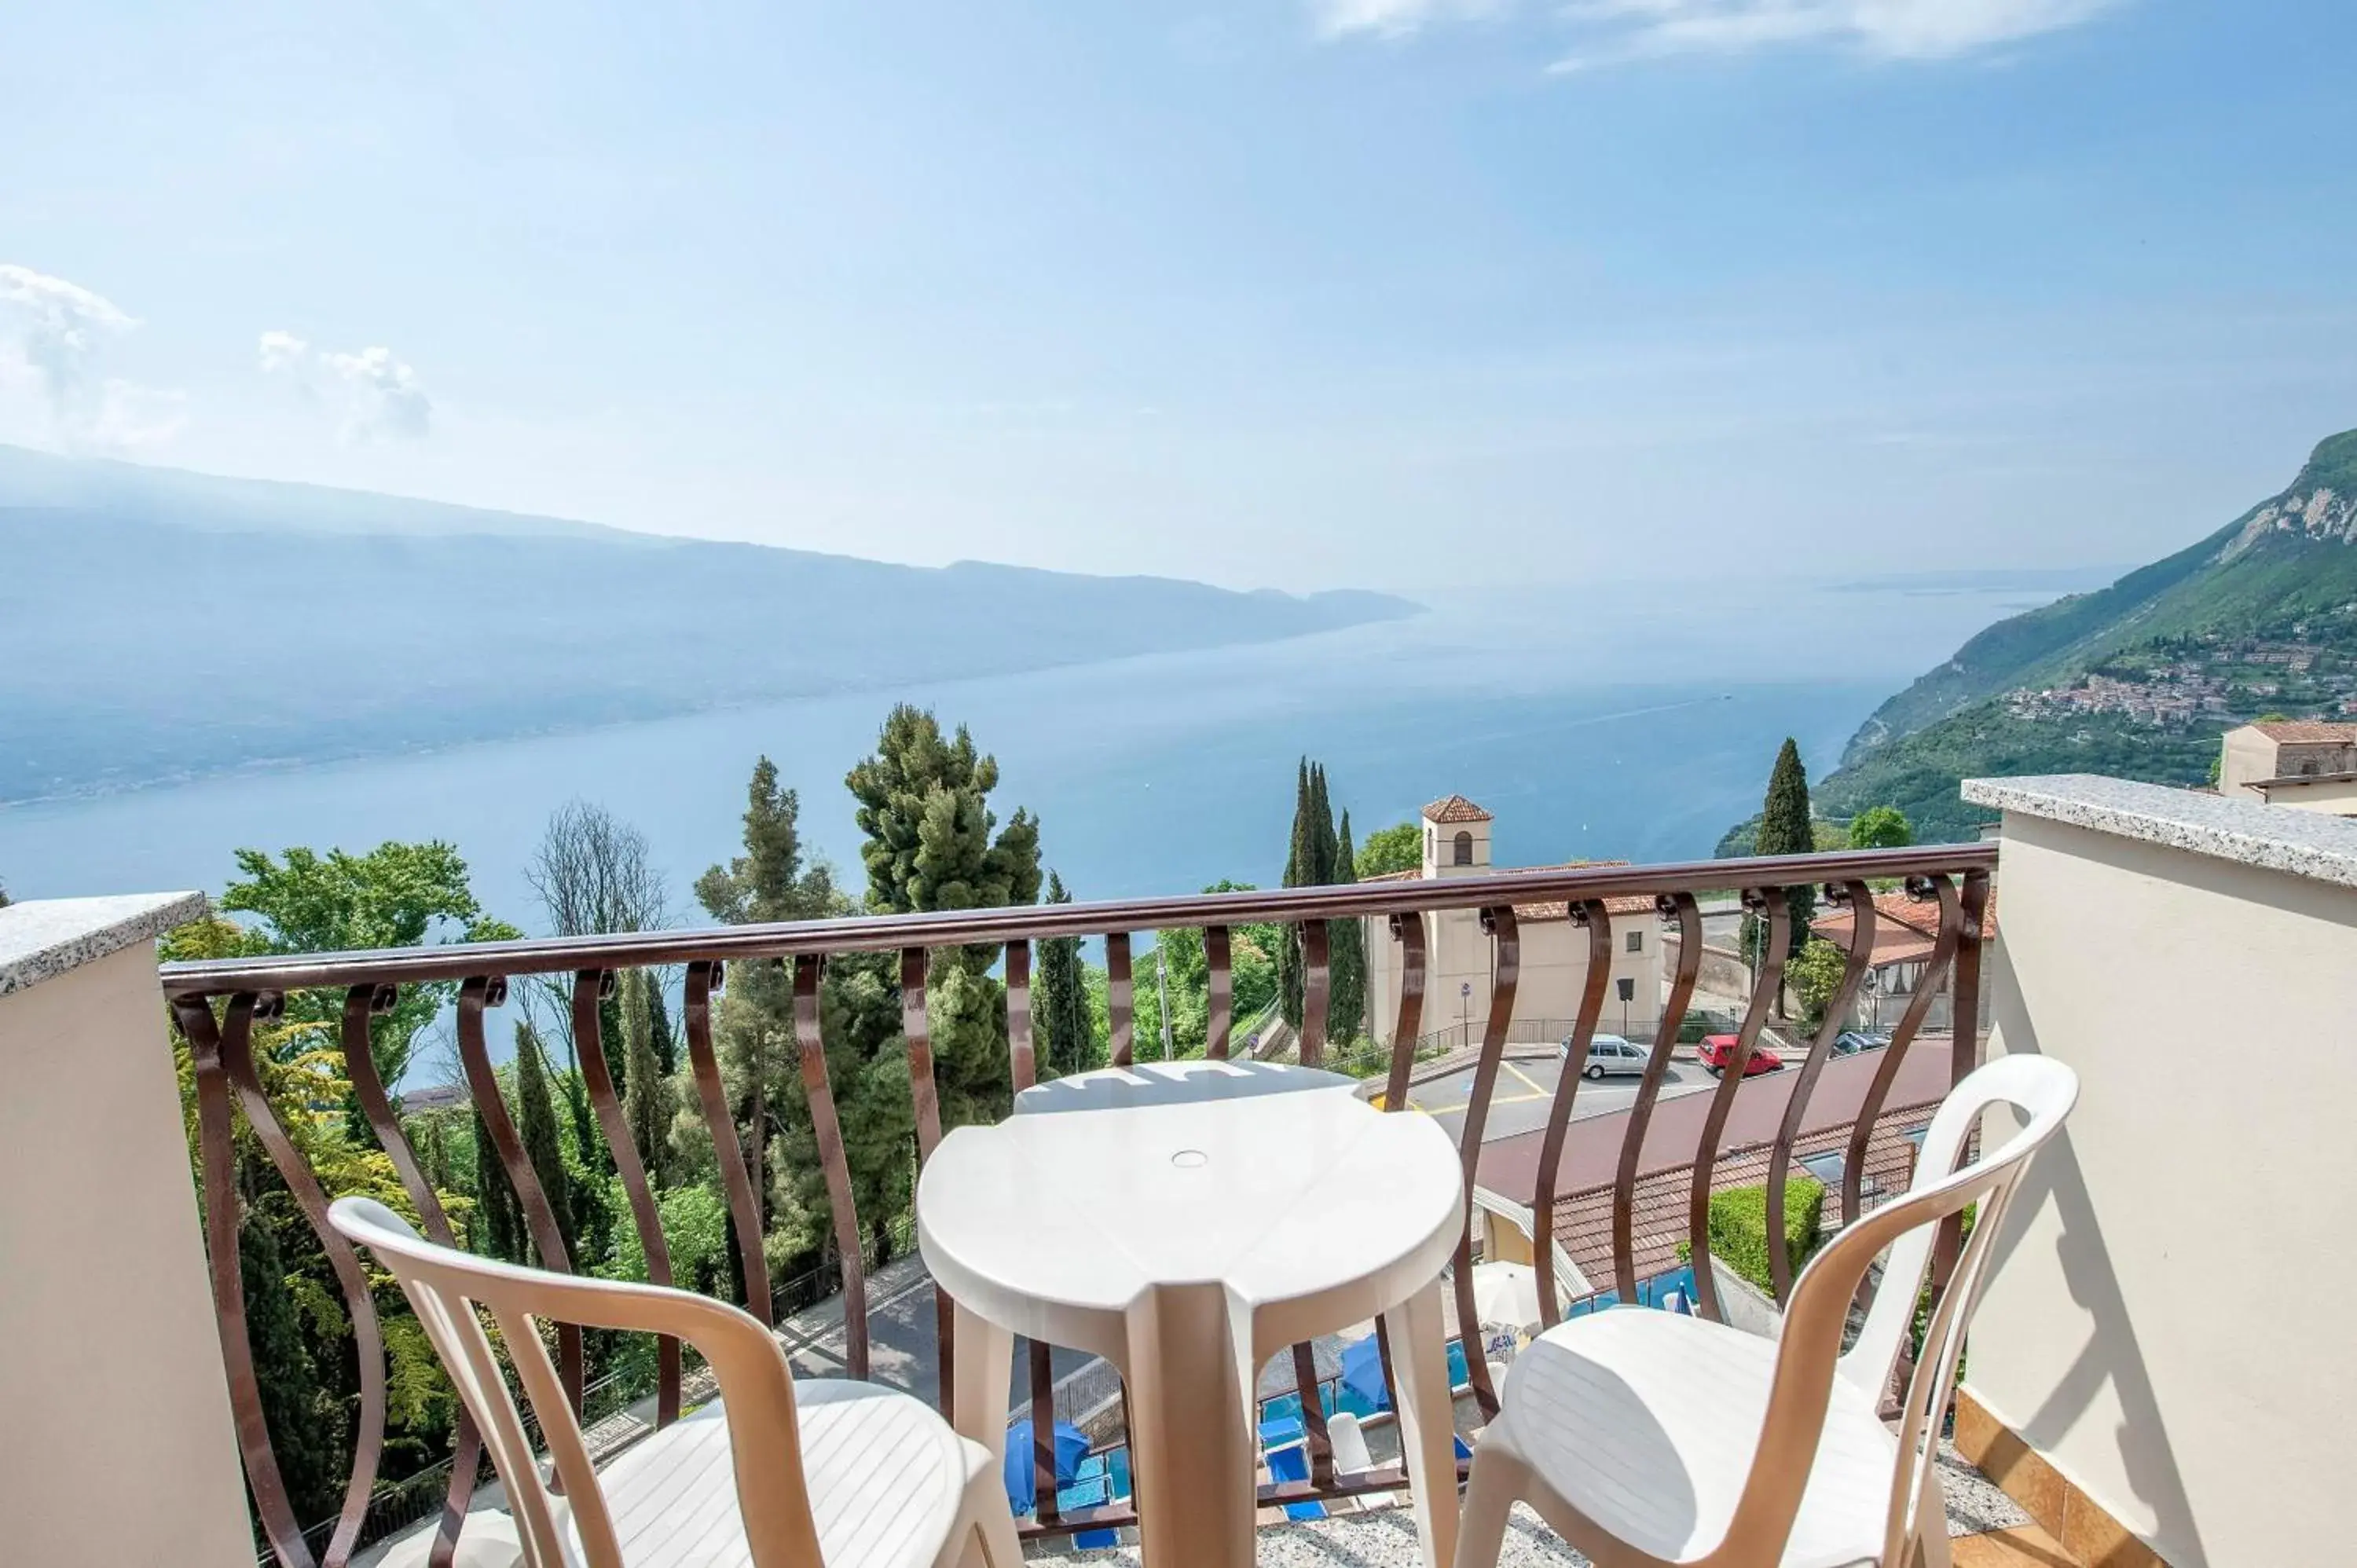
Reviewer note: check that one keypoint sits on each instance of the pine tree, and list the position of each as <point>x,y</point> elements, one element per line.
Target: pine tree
<point>1348,946</point>
<point>933,842</point>
<point>498,1227</point>
<point>1066,1034</point>
<point>536,1125</point>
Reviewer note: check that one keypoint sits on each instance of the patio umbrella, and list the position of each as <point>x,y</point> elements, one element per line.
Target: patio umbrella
<point>1022,1479</point>
<point>1506,1294</point>
<point>1363,1371</point>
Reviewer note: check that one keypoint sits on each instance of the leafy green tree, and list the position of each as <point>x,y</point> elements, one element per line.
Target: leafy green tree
<point>1349,941</point>
<point>1814,974</point>
<point>1880,827</point>
<point>536,1126</point>
<point>1399,847</point>
<point>396,896</point>
<point>1066,1041</point>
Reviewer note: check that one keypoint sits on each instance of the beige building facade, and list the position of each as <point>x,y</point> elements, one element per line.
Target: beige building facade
<point>2300,763</point>
<point>1459,957</point>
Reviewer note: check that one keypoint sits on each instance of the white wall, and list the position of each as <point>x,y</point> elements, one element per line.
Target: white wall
<point>2169,1323</point>
<point>118,1444</point>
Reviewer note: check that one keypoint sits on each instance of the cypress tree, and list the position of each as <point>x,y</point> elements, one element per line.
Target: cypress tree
<point>1349,938</point>
<point>1067,1034</point>
<point>307,1426</point>
<point>1300,870</point>
<point>1786,827</point>
<point>1322,848</point>
<point>498,1229</point>
<point>659,1035</point>
<point>646,1090</point>
<point>536,1125</point>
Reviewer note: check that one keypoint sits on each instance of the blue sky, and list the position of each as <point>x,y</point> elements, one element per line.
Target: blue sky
<point>1303,293</point>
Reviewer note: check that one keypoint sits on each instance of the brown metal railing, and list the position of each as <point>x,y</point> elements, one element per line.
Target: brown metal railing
<point>217,1002</point>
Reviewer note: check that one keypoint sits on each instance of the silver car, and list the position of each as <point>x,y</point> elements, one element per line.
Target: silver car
<point>1609,1054</point>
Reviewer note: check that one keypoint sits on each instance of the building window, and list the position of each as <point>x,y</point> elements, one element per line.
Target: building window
<point>1464,849</point>
<point>1628,990</point>
<point>1636,941</point>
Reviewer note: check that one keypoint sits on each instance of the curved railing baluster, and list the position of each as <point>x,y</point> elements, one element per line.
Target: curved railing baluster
<point>1859,898</point>
<point>1776,944</point>
<point>1593,915</point>
<point>360,1004</point>
<point>591,986</point>
<point>1408,1017</point>
<point>925,1092</point>
<point>475,994</point>
<point>832,1163</point>
<point>1223,994</point>
<point>706,976</point>
<point>1681,907</point>
<point>1317,993</point>
<point>1120,1005</point>
<point>1902,1039</point>
<point>368,1338</point>
<point>217,1146</point>
<point>1506,947</point>
<point>1021,1060</point>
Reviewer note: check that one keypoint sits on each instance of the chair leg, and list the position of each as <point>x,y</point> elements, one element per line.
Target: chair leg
<point>987,1539</point>
<point>1489,1495</point>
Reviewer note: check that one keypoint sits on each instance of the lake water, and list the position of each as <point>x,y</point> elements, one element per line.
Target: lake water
<point>1626,722</point>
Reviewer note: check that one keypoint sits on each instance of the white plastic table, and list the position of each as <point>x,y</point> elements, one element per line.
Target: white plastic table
<point>1190,1220</point>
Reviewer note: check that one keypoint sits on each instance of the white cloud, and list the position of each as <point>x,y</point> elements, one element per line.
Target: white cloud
<point>1394,18</point>
<point>378,396</point>
<point>54,334</point>
<point>1892,29</point>
<point>1608,31</point>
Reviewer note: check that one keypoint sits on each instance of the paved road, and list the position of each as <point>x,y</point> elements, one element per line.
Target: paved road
<point>1525,1089</point>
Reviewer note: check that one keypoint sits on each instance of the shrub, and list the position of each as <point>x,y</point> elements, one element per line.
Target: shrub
<point>1738,1228</point>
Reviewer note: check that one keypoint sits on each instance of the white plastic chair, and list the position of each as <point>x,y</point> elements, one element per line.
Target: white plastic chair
<point>1648,1438</point>
<point>777,1474</point>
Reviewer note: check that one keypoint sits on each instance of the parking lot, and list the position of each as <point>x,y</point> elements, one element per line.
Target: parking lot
<point>1526,1088</point>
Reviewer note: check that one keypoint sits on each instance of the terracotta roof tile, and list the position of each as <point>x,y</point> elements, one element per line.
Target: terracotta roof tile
<point>2307,730</point>
<point>1455,809</point>
<point>1410,874</point>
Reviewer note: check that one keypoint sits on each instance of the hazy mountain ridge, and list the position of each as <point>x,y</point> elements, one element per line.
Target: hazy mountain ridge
<point>144,640</point>
<point>2139,678</point>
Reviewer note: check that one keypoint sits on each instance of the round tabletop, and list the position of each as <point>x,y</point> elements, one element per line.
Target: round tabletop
<point>1311,1209</point>
<point>1173,1082</point>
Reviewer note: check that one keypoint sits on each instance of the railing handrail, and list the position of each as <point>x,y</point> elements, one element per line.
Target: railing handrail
<point>962,928</point>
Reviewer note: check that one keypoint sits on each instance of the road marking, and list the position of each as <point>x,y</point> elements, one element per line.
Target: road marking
<point>1527,1080</point>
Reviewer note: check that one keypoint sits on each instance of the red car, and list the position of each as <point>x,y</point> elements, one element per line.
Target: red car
<point>1716,1052</point>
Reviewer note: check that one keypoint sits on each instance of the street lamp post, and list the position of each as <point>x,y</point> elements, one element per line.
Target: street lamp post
<point>1465,1010</point>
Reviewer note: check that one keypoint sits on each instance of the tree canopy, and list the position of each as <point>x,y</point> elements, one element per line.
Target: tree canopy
<point>1399,847</point>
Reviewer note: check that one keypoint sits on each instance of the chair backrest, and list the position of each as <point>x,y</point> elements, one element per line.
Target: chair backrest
<point>1350,1443</point>
<point>1809,1355</point>
<point>445,1286</point>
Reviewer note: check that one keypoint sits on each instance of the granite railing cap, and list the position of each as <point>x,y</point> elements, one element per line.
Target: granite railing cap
<point>44,938</point>
<point>2313,844</point>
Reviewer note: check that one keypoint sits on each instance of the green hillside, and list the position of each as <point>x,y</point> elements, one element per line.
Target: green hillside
<point>2139,678</point>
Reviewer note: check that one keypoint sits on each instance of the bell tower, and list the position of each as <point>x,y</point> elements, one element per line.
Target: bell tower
<point>1456,838</point>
